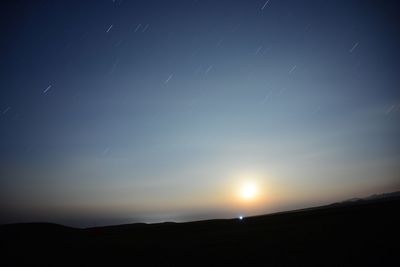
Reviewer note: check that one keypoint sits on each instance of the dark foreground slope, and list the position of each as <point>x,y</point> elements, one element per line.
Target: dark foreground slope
<point>361,233</point>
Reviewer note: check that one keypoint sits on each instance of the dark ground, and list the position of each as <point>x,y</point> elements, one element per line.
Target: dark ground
<point>359,233</point>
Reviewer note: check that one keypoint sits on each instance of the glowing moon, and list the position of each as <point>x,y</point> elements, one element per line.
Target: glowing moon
<point>248,191</point>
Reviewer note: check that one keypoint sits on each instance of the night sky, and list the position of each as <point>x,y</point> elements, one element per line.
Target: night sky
<point>146,111</point>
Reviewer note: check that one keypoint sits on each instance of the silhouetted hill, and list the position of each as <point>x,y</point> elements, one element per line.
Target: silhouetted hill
<point>375,197</point>
<point>355,233</point>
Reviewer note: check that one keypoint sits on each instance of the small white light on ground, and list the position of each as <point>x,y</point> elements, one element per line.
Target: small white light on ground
<point>240,217</point>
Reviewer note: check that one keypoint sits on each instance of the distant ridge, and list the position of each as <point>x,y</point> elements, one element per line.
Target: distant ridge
<point>373,197</point>
<point>351,201</point>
